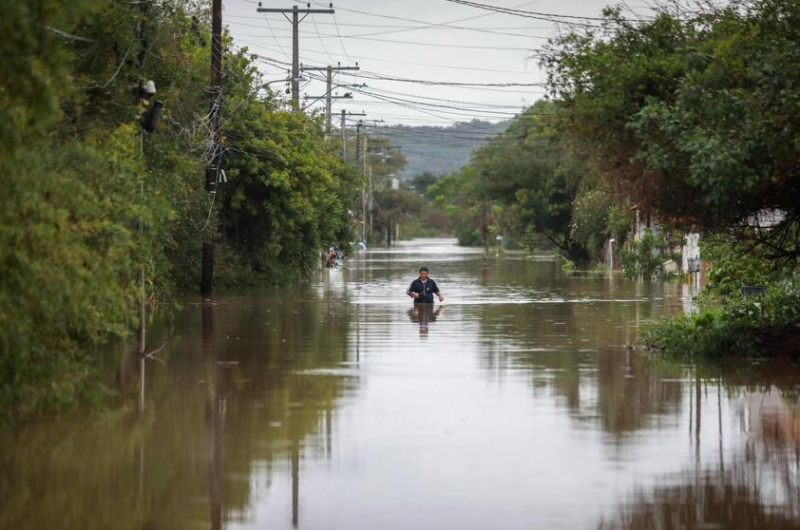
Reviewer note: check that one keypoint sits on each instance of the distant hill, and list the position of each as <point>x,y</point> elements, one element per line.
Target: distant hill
<point>439,149</point>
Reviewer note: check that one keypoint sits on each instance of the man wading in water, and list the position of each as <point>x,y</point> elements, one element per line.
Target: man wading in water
<point>423,288</point>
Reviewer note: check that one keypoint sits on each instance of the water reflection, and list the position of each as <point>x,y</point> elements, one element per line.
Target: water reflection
<point>757,486</point>
<point>336,406</point>
<point>424,314</point>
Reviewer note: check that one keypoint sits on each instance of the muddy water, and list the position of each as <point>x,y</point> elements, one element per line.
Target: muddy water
<point>515,404</point>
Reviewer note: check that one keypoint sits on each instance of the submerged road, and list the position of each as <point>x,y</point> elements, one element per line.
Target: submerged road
<point>335,405</point>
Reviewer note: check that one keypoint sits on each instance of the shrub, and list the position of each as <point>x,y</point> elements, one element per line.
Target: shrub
<point>644,257</point>
<point>741,326</point>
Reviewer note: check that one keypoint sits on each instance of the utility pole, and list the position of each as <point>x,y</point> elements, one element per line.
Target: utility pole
<point>329,89</point>
<point>295,21</point>
<point>344,134</point>
<point>328,102</point>
<point>364,189</point>
<point>345,114</point>
<point>207,276</point>
<point>358,143</point>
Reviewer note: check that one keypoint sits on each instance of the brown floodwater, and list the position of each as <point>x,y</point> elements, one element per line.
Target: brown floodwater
<point>335,405</point>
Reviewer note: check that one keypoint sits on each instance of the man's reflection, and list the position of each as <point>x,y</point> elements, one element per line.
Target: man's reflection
<point>424,314</point>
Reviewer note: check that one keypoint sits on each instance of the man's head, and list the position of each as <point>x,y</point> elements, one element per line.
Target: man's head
<point>423,273</point>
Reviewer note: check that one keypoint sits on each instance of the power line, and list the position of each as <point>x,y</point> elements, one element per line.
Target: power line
<point>295,21</point>
<point>430,82</point>
<point>481,87</point>
<point>272,32</point>
<point>550,17</point>
<point>418,64</point>
<point>420,25</point>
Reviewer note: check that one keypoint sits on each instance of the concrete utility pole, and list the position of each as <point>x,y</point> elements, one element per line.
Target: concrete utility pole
<point>207,276</point>
<point>295,21</point>
<point>329,89</point>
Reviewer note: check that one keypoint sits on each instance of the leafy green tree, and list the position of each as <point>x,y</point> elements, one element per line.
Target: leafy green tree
<point>458,197</point>
<point>287,196</point>
<point>692,117</point>
<point>393,208</point>
<point>526,180</point>
<point>91,200</point>
<point>420,183</point>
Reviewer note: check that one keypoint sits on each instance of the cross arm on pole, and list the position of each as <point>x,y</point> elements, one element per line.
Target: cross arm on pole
<point>325,68</point>
<point>299,11</point>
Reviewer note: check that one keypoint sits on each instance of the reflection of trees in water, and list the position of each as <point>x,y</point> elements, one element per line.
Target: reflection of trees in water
<point>756,486</point>
<point>159,470</point>
<point>732,501</point>
<point>576,351</point>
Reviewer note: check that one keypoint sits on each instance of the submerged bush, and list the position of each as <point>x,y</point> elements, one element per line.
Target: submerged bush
<point>740,326</point>
<point>645,256</point>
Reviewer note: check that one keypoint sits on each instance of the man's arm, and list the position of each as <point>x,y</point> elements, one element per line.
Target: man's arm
<point>438,292</point>
<point>411,292</point>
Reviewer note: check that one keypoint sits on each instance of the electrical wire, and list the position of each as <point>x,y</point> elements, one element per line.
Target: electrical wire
<point>341,41</point>
<point>121,64</point>
<point>391,61</point>
<point>275,36</point>
<point>550,17</point>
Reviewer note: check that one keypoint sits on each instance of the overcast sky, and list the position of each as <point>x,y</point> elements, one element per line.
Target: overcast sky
<point>431,40</point>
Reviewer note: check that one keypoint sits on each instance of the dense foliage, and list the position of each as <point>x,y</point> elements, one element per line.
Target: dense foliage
<point>766,324</point>
<point>692,117</point>
<point>531,187</point>
<point>90,199</point>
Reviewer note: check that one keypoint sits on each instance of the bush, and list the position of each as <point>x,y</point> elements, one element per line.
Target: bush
<point>68,258</point>
<point>742,326</point>
<point>645,256</point>
<point>731,269</point>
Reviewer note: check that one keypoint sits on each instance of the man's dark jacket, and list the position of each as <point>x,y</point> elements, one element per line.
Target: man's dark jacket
<point>426,290</point>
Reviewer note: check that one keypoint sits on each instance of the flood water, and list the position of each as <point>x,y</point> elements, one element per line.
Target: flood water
<point>334,405</point>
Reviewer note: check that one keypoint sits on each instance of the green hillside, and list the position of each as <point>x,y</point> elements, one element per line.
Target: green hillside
<point>439,150</point>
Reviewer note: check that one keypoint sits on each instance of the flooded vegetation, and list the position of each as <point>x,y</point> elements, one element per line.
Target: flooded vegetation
<point>515,404</point>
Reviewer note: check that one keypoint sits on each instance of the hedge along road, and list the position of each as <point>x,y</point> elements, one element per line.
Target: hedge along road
<point>515,404</point>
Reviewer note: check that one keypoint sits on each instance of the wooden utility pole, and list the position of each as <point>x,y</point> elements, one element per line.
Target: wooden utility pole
<point>344,134</point>
<point>358,144</point>
<point>328,102</point>
<point>295,21</point>
<point>329,88</point>
<point>365,191</point>
<point>207,276</point>
<point>345,114</point>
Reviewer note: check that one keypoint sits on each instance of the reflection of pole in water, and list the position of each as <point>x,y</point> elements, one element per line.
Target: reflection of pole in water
<point>213,418</point>
<point>719,426</point>
<point>215,463</point>
<point>328,429</point>
<point>698,491</point>
<point>698,397</point>
<point>142,362</point>
<point>142,342</point>
<point>295,482</point>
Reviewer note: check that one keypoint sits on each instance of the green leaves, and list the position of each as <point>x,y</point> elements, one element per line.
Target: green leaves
<point>287,197</point>
<point>89,200</point>
<point>692,116</point>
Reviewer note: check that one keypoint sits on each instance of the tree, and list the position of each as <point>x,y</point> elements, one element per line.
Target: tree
<point>693,118</point>
<point>420,183</point>
<point>533,177</point>
<point>90,199</point>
